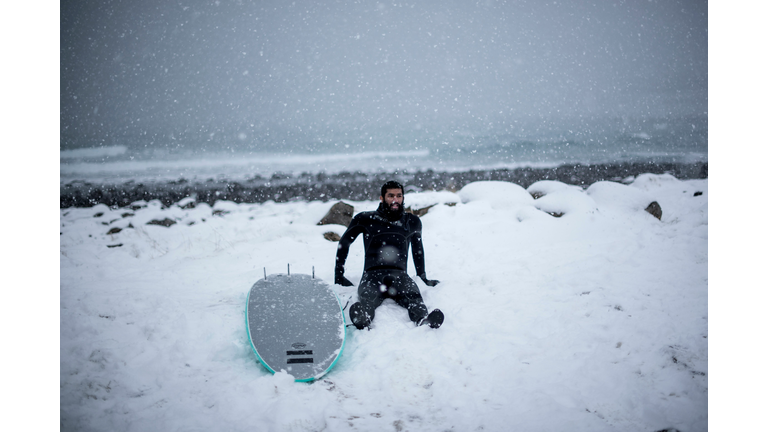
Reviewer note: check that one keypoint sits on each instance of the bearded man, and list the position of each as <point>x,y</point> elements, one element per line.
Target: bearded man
<point>387,233</point>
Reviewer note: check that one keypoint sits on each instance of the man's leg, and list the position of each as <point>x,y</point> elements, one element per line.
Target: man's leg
<point>370,296</point>
<point>408,296</point>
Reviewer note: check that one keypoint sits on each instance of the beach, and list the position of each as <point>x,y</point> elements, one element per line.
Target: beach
<point>282,187</point>
<point>568,307</point>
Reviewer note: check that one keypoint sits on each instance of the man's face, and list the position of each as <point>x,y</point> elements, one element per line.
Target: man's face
<point>393,199</point>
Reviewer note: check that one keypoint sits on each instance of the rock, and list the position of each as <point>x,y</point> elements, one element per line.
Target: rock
<point>500,195</point>
<point>420,212</point>
<point>165,222</point>
<point>632,198</point>
<point>138,205</point>
<point>340,214</point>
<point>187,203</point>
<point>332,236</point>
<point>544,187</point>
<point>566,201</point>
<point>655,209</point>
<point>114,230</point>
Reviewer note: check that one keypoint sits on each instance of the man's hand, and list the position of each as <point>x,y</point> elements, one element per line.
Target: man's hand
<point>341,280</point>
<point>429,282</point>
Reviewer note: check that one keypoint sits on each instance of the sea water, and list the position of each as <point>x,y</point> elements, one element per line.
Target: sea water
<point>534,143</point>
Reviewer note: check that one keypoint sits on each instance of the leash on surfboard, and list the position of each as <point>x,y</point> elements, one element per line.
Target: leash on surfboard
<point>345,308</point>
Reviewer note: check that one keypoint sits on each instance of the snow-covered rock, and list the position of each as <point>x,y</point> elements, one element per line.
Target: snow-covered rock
<point>499,194</point>
<point>544,187</point>
<point>566,201</point>
<point>619,196</point>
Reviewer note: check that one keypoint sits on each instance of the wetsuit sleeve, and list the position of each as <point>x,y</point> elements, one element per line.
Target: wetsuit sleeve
<point>417,248</point>
<point>354,229</point>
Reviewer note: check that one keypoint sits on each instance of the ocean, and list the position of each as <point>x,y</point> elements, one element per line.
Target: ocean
<point>295,158</point>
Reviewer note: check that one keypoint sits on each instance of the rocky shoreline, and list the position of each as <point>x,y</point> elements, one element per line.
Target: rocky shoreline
<point>356,186</point>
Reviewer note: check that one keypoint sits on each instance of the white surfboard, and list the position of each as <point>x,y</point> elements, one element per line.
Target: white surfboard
<point>295,323</point>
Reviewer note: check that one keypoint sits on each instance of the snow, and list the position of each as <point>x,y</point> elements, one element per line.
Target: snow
<point>498,194</point>
<point>595,320</point>
<point>543,187</point>
<point>566,202</point>
<point>611,194</point>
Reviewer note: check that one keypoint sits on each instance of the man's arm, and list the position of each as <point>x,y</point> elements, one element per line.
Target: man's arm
<point>417,249</point>
<point>349,236</point>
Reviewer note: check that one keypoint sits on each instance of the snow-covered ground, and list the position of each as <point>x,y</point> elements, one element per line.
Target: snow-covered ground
<point>595,320</point>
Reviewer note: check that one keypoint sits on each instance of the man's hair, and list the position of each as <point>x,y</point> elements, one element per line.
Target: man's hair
<point>391,185</point>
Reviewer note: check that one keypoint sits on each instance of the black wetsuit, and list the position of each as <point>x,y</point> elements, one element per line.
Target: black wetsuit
<point>386,237</point>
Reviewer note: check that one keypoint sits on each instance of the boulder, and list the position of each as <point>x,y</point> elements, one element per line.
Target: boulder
<point>420,211</point>
<point>620,196</point>
<point>655,209</point>
<point>566,201</point>
<point>187,203</point>
<point>544,187</point>
<point>340,214</point>
<point>499,194</point>
<point>331,236</point>
<point>138,205</point>
<point>165,222</point>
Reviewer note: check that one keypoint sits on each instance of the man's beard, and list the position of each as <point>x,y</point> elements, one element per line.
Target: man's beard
<point>389,212</point>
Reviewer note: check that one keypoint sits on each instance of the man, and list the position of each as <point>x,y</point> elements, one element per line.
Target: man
<point>387,234</point>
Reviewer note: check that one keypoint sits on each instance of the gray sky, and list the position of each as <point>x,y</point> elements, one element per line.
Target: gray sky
<point>153,71</point>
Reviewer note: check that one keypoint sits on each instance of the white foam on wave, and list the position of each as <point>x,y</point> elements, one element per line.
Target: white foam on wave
<point>93,152</point>
<point>263,164</point>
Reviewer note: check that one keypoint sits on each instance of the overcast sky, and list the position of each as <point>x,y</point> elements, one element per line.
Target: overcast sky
<point>148,68</point>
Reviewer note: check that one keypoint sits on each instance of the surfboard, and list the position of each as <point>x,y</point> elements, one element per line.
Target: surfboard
<point>295,323</point>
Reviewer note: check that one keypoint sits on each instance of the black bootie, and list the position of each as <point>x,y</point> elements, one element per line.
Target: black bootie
<point>358,316</point>
<point>434,319</point>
